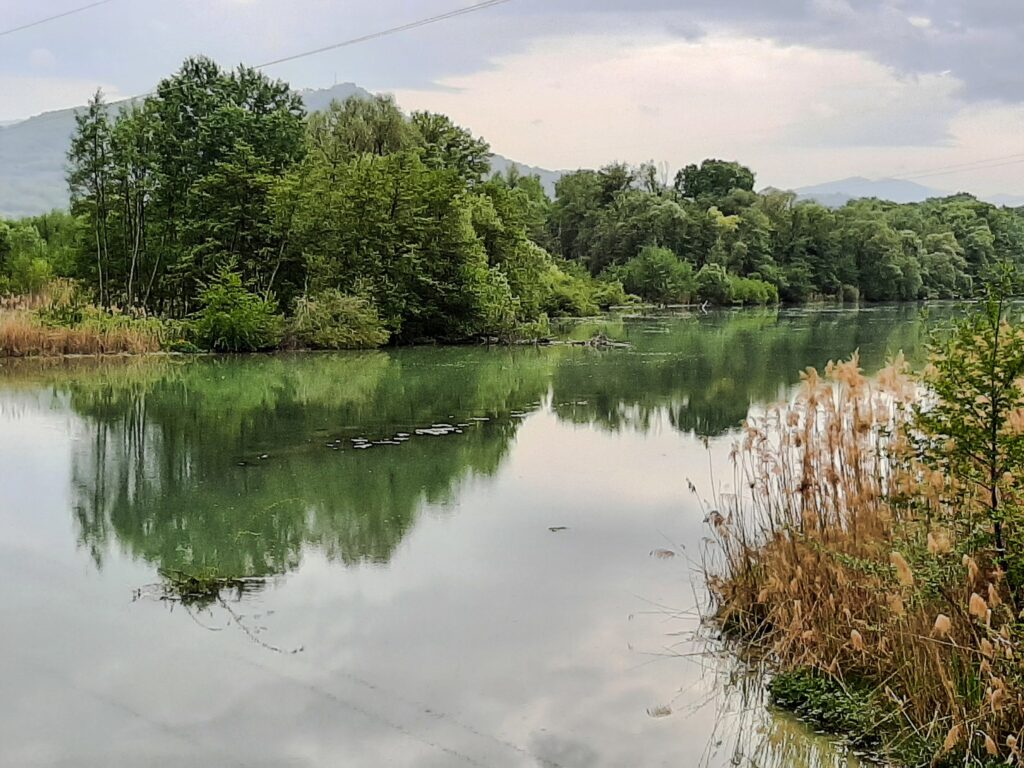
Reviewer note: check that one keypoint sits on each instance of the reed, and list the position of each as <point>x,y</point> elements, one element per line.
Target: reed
<point>847,554</point>
<point>22,334</point>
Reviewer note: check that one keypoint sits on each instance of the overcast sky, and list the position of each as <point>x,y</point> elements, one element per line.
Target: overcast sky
<point>801,90</point>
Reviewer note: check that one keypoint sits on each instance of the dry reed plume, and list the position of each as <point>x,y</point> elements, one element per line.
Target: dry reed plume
<point>845,554</point>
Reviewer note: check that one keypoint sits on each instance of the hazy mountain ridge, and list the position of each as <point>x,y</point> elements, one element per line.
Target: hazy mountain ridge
<point>835,194</point>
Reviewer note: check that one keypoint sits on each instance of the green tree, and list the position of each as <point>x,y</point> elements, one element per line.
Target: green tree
<point>713,179</point>
<point>972,430</point>
<point>447,146</point>
<point>358,126</point>
<point>89,180</point>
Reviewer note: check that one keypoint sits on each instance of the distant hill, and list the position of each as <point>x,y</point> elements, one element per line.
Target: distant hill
<point>835,194</point>
<point>32,155</point>
<point>548,179</point>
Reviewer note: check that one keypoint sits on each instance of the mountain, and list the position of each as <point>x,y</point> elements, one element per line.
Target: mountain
<point>837,193</point>
<point>32,163</point>
<point>1010,201</point>
<point>32,155</point>
<point>320,99</point>
<point>500,164</point>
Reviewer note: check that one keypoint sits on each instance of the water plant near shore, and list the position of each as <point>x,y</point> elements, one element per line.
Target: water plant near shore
<point>873,542</point>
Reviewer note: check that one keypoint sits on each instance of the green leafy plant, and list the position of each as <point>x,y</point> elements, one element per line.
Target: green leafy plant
<point>972,427</point>
<point>712,284</point>
<point>658,275</point>
<point>234,319</point>
<point>334,320</point>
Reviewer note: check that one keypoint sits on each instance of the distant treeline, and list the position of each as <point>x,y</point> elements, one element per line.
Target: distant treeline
<point>630,222</point>
<point>220,190</point>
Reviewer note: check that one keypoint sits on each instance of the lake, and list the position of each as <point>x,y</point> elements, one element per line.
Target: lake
<point>470,556</point>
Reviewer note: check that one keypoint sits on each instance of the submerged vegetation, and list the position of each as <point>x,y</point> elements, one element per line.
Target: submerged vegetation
<point>874,551</point>
<point>359,225</point>
<point>204,588</point>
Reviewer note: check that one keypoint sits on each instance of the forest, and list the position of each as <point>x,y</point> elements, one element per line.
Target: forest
<point>217,205</point>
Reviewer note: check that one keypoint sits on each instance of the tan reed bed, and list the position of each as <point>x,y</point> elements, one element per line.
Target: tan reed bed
<point>844,553</point>
<point>23,335</point>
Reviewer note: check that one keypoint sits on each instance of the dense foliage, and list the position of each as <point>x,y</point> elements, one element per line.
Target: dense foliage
<point>223,171</point>
<point>220,172</point>
<point>871,249</point>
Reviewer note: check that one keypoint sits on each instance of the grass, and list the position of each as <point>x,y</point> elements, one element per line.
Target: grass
<point>848,561</point>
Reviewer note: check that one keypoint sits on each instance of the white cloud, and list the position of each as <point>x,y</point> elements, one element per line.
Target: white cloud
<point>796,114</point>
<point>27,95</point>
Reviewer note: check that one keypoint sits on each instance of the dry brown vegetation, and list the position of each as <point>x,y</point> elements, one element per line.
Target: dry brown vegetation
<point>22,334</point>
<point>845,553</point>
<point>59,321</point>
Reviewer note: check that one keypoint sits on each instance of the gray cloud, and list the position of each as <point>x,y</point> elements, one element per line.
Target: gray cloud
<point>133,44</point>
<point>976,41</point>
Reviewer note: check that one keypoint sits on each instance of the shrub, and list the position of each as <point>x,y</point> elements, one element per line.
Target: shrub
<point>30,274</point>
<point>569,295</point>
<point>535,330</point>
<point>850,294</point>
<point>334,320</point>
<point>713,285</point>
<point>658,275</point>
<point>234,319</point>
<point>749,290</point>
<point>610,293</point>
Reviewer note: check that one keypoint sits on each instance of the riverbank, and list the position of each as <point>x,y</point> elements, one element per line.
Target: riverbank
<point>866,559</point>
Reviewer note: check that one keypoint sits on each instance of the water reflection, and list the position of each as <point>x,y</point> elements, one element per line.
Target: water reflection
<point>237,464</point>
<point>443,622</point>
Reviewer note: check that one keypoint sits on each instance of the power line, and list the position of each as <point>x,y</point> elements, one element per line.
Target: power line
<point>37,22</point>
<point>385,32</point>
<point>962,167</point>
<point>343,44</point>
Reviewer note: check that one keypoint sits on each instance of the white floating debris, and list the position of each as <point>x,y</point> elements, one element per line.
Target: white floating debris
<point>435,431</point>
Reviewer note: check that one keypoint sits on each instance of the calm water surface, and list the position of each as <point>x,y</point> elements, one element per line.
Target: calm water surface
<point>418,608</point>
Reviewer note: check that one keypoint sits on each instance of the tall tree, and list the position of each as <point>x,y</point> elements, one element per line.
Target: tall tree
<point>89,180</point>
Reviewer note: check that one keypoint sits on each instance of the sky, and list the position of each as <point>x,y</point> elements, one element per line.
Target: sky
<point>802,91</point>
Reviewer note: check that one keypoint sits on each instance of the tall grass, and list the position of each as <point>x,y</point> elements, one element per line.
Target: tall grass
<point>22,334</point>
<point>844,553</point>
